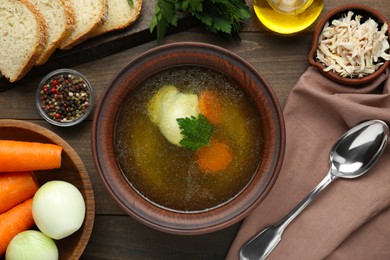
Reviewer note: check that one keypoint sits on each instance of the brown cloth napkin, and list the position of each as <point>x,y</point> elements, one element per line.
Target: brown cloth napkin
<point>350,219</point>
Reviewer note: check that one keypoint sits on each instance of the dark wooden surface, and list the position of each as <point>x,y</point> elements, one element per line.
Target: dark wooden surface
<point>281,59</point>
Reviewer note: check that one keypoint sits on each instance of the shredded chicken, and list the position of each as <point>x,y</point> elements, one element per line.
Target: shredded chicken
<point>351,48</point>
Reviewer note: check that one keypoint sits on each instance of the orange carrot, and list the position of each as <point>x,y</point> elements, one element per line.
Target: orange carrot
<point>210,107</point>
<point>14,221</point>
<point>215,157</point>
<point>17,156</point>
<point>16,187</point>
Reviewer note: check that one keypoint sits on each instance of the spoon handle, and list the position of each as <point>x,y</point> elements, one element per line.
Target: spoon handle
<point>260,246</point>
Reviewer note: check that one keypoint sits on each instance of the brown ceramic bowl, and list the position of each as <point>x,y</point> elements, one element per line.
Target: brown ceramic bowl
<point>177,55</point>
<point>365,12</point>
<point>72,170</point>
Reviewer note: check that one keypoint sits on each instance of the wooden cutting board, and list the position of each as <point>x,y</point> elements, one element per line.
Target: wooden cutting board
<point>103,45</point>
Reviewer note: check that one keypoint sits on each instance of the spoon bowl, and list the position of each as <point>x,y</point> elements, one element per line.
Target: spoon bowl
<point>351,156</point>
<point>366,143</point>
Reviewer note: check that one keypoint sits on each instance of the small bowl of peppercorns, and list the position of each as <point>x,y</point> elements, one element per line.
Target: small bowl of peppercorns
<point>64,97</point>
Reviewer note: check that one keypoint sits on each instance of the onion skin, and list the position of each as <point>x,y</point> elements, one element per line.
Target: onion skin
<point>31,245</point>
<point>58,209</point>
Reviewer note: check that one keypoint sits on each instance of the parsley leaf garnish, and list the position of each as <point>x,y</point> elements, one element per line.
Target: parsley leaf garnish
<point>131,4</point>
<point>223,16</point>
<point>196,131</point>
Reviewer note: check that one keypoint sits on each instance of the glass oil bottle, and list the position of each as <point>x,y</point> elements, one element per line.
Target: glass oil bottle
<point>287,16</point>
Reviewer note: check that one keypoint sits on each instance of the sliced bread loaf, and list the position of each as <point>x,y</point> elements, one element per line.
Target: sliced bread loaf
<point>89,14</point>
<point>59,17</point>
<point>23,35</point>
<point>121,13</point>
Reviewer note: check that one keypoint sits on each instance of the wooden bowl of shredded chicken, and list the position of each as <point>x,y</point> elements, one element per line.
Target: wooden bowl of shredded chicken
<point>351,44</point>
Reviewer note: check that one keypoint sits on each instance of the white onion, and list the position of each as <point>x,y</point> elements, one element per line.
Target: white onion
<point>31,245</point>
<point>58,209</point>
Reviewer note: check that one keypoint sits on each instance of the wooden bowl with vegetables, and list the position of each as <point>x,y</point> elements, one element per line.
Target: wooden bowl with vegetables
<point>351,44</point>
<point>46,196</point>
<point>188,138</point>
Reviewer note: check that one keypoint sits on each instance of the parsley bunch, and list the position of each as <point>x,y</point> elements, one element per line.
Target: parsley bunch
<point>217,15</point>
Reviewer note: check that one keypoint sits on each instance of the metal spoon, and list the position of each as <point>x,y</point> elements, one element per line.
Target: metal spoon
<point>350,157</point>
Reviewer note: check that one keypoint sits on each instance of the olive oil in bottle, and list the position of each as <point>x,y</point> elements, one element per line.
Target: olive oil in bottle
<point>287,16</point>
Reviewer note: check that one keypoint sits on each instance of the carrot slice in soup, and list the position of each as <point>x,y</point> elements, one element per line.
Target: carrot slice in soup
<point>215,157</point>
<point>16,187</point>
<point>14,221</point>
<point>17,156</point>
<point>210,107</point>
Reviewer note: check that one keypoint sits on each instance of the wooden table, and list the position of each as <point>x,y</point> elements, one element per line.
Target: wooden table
<point>281,59</point>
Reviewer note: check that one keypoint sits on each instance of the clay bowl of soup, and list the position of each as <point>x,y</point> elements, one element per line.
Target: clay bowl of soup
<point>188,138</point>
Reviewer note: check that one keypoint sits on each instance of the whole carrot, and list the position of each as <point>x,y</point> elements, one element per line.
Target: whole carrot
<point>14,221</point>
<point>16,156</point>
<point>16,187</point>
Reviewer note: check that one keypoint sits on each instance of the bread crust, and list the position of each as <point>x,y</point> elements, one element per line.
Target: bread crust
<point>40,43</point>
<point>136,15</point>
<point>70,18</point>
<point>138,8</point>
<point>137,5</point>
<point>82,37</point>
<point>69,12</point>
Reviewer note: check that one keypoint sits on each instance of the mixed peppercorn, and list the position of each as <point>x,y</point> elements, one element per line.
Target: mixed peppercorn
<point>65,97</point>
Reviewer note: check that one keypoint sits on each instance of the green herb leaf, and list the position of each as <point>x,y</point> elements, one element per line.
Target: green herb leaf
<point>131,3</point>
<point>223,16</point>
<point>226,16</point>
<point>196,131</point>
<point>165,15</point>
<point>192,5</point>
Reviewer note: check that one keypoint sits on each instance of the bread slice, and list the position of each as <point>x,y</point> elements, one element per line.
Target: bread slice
<point>59,17</point>
<point>23,35</point>
<point>120,15</point>
<point>89,14</point>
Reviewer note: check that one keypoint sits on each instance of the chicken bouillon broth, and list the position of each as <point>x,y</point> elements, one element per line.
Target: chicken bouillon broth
<point>188,138</point>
